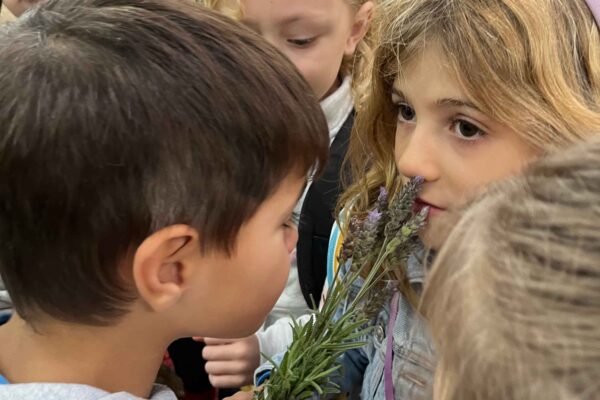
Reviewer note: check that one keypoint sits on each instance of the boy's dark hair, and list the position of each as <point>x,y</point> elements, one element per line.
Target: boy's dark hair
<point>120,117</point>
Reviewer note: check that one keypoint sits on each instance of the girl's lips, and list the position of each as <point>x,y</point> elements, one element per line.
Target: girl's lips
<point>433,210</point>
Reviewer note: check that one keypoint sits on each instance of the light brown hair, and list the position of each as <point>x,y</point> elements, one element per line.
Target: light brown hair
<point>513,299</point>
<point>543,83</point>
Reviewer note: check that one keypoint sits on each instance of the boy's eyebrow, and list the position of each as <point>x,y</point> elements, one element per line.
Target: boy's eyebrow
<point>298,198</point>
<point>301,192</point>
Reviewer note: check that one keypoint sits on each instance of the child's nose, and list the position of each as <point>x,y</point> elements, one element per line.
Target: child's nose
<point>416,155</point>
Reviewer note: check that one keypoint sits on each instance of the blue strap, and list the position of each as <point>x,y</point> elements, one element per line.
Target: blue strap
<point>3,380</point>
<point>263,377</point>
<point>332,253</point>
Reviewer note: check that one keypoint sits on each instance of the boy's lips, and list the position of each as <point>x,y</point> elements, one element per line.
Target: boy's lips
<point>433,209</point>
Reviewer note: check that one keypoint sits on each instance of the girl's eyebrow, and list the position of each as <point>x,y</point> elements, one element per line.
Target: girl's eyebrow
<point>306,18</point>
<point>457,103</point>
<point>397,92</point>
<point>447,102</point>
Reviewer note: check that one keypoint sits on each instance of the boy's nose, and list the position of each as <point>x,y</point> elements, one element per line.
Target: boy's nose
<point>291,239</point>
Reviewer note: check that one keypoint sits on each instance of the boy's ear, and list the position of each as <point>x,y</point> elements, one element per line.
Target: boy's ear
<point>360,26</point>
<point>163,265</point>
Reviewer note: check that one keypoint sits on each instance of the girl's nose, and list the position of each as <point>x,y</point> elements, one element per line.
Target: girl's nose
<point>415,154</point>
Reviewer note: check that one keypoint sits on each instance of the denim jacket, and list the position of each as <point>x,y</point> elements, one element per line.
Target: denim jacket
<point>413,353</point>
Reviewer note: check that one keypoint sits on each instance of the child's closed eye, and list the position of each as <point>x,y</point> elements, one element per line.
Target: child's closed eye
<point>301,42</point>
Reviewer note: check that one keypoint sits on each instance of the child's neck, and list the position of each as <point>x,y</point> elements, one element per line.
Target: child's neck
<point>115,359</point>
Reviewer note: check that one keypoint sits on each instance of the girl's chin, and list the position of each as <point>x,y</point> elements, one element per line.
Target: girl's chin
<point>430,239</point>
<point>435,233</point>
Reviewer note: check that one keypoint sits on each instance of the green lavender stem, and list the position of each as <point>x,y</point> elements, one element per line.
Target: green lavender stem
<point>312,359</point>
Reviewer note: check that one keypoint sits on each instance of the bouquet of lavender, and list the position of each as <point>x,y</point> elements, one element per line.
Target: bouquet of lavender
<point>377,244</point>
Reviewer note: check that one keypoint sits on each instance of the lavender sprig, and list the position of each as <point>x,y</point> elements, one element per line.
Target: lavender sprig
<point>377,244</point>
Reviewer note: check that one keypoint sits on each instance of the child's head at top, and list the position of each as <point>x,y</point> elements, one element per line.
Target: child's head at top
<point>468,92</point>
<point>319,36</point>
<point>513,299</point>
<point>152,153</point>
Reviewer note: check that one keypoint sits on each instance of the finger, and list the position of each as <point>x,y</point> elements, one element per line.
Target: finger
<point>198,338</point>
<point>222,352</point>
<point>228,381</point>
<point>215,341</point>
<point>228,368</point>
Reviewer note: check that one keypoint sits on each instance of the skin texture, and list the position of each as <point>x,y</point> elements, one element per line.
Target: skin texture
<point>449,142</point>
<point>315,35</point>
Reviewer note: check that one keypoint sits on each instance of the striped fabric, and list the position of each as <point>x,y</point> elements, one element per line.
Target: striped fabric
<point>335,246</point>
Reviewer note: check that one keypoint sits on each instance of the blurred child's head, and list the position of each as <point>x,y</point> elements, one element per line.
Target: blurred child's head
<point>469,92</point>
<point>514,296</point>
<point>317,35</point>
<point>151,155</point>
<point>18,7</point>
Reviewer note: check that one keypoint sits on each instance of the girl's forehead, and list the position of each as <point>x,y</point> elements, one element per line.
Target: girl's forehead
<point>428,73</point>
<point>283,11</point>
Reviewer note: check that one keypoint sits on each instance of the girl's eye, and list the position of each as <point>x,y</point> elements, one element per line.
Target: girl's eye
<point>302,42</point>
<point>466,130</point>
<point>405,112</point>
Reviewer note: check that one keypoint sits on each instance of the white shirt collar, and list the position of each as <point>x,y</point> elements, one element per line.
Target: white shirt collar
<point>337,106</point>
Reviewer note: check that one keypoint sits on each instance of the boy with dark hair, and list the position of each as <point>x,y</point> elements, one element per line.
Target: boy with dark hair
<point>151,153</point>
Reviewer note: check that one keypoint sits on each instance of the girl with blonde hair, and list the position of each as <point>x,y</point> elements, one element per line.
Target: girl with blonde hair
<point>513,299</point>
<point>463,93</point>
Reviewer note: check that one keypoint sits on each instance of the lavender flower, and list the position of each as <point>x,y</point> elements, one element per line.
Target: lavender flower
<point>382,199</point>
<point>377,244</point>
<point>402,206</point>
<point>373,218</point>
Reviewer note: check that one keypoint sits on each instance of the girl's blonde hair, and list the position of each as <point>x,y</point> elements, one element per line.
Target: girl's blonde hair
<point>513,299</point>
<point>533,65</point>
<point>231,8</point>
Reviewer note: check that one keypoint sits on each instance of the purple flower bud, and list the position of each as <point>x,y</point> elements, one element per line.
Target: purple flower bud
<point>383,195</point>
<point>373,218</point>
